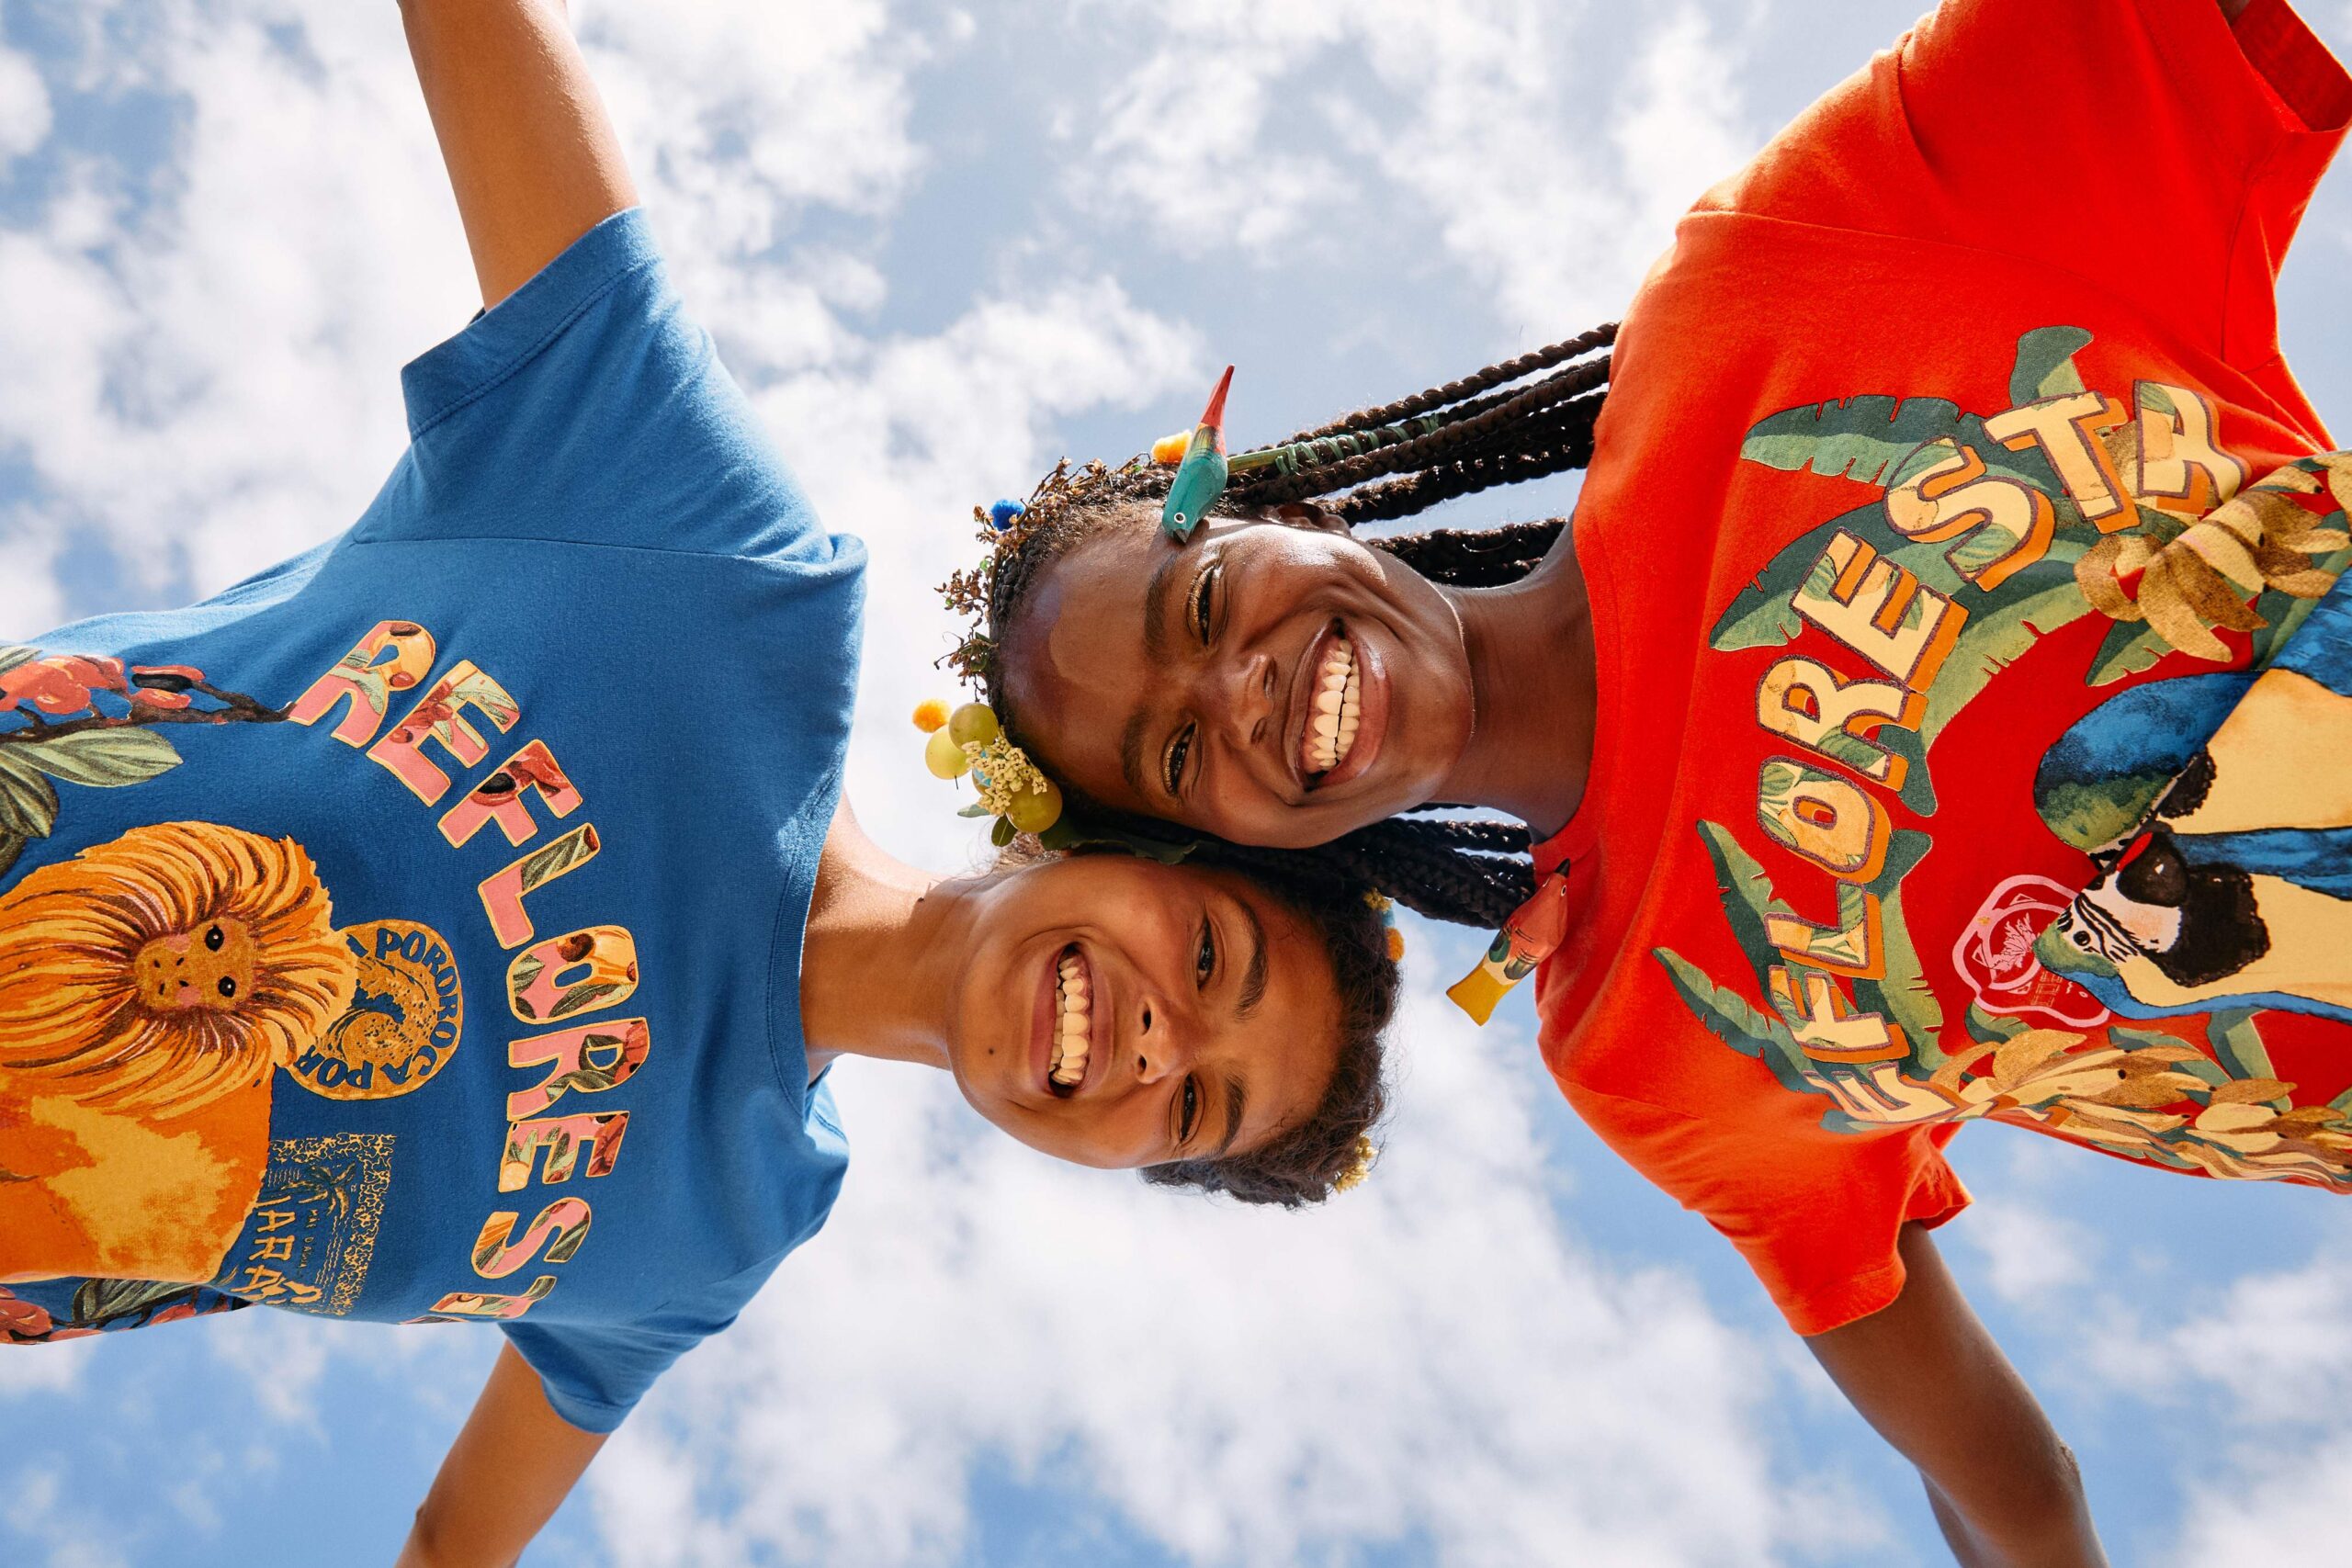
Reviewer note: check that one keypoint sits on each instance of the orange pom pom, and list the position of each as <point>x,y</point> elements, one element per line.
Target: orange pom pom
<point>1396,945</point>
<point>1168,450</point>
<point>930,714</point>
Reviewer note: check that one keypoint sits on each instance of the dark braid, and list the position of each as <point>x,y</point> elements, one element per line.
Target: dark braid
<point>1494,421</point>
<point>1483,468</point>
<point>1378,465</point>
<point>1475,558</point>
<point>1469,386</point>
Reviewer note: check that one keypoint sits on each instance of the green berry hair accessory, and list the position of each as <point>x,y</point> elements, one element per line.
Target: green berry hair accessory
<point>1016,792</point>
<point>1012,789</point>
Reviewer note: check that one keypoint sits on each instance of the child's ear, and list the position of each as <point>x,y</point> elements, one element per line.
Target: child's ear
<point>1306,514</point>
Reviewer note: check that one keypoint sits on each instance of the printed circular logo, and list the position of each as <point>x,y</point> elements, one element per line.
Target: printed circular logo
<point>405,1015</point>
<point>1995,955</point>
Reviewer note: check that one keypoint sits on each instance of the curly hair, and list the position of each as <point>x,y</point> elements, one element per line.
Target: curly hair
<point>1376,464</point>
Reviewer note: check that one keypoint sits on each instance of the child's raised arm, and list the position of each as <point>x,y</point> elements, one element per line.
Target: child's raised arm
<point>513,1465</point>
<point>1927,1375</point>
<point>531,155</point>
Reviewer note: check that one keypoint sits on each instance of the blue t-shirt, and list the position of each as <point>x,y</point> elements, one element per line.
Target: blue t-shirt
<point>492,824</point>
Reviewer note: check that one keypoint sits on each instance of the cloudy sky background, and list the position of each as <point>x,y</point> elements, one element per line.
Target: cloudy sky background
<point>943,246</point>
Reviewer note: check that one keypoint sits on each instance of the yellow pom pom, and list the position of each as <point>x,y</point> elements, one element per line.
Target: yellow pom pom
<point>1035,810</point>
<point>974,724</point>
<point>1359,1166</point>
<point>943,757</point>
<point>1168,450</point>
<point>930,714</point>
<point>1396,945</point>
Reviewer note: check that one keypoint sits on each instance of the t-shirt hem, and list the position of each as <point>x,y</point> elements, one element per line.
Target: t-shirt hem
<point>1877,1288</point>
<point>790,930</point>
<point>460,370</point>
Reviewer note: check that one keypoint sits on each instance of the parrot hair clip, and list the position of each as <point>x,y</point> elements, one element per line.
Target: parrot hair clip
<point>1532,934</point>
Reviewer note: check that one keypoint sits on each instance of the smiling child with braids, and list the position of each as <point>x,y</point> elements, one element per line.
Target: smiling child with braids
<point>1939,711</point>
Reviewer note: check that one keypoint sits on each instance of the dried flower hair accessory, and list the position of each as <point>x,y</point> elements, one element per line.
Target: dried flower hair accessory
<point>1359,1163</point>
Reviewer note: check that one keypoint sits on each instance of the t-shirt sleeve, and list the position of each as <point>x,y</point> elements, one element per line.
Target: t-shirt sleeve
<point>1816,1217</point>
<point>594,1373</point>
<point>587,407</point>
<point>2149,144</point>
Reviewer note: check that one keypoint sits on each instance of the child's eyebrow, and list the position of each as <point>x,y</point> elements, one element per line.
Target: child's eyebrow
<point>1131,753</point>
<point>1253,979</point>
<point>1154,605</point>
<point>1237,1099</point>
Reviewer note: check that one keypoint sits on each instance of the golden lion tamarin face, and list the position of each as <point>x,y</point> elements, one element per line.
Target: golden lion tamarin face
<point>212,967</point>
<point>168,966</point>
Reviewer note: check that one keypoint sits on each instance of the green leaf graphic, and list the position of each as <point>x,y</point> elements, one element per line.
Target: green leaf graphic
<point>1748,898</point>
<point>2045,364</point>
<point>28,801</point>
<point>2238,1041</point>
<point>2129,649</point>
<point>1728,1017</point>
<point>102,759</point>
<point>1861,438</point>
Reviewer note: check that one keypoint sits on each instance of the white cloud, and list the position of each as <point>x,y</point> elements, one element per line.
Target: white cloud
<point>43,1369</point>
<point>1428,1357</point>
<point>2278,1496</point>
<point>24,106</point>
<point>2033,1256</point>
<point>1547,184</point>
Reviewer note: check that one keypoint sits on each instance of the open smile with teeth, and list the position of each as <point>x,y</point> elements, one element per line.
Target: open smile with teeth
<point>1073,1022</point>
<point>1338,695</point>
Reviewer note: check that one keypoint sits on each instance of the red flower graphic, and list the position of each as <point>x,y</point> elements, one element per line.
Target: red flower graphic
<point>1995,955</point>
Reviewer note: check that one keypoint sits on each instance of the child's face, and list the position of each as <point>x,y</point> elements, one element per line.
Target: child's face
<point>1207,1013</point>
<point>1180,681</point>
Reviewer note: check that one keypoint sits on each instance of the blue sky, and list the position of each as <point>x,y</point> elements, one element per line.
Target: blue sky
<point>943,246</point>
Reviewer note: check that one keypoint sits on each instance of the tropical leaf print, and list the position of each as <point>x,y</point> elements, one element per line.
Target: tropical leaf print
<point>2045,364</point>
<point>1861,438</point>
<point>544,866</point>
<point>1730,1018</point>
<point>28,801</point>
<point>101,759</point>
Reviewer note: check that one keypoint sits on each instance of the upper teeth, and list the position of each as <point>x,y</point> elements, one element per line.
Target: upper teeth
<point>1339,693</point>
<point>1073,1020</point>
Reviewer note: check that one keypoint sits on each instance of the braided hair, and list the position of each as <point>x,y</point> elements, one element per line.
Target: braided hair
<point>1379,463</point>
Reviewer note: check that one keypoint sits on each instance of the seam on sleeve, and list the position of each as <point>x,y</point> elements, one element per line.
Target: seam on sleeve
<point>537,345</point>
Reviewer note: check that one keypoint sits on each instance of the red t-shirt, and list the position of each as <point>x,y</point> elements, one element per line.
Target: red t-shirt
<point>1934,779</point>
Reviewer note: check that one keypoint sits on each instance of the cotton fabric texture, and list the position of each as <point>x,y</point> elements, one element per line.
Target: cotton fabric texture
<point>416,930</point>
<point>1934,778</point>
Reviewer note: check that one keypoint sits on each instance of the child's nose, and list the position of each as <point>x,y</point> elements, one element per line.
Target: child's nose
<point>1248,701</point>
<point>1163,1045</point>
